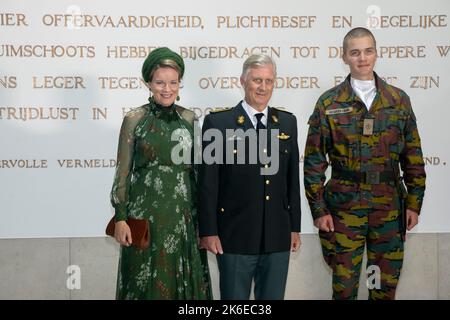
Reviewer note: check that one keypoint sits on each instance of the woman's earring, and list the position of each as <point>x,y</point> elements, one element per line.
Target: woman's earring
<point>178,98</point>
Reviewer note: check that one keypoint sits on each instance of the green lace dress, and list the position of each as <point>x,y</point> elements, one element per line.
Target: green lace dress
<point>149,185</point>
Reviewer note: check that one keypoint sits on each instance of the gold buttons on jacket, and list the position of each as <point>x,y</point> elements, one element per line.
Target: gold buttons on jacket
<point>222,210</point>
<point>234,151</point>
<point>267,197</point>
<point>267,181</point>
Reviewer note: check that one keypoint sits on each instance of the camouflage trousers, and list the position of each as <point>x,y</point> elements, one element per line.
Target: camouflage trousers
<point>343,251</point>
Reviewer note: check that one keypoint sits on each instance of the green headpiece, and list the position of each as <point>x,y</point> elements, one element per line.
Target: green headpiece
<point>157,56</point>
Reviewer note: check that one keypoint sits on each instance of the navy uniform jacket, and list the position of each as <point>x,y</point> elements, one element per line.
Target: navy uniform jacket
<point>251,213</point>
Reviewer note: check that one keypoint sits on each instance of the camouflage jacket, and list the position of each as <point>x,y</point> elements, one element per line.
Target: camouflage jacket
<point>336,137</point>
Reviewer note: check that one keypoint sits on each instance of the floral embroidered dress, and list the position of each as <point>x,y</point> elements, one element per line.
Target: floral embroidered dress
<point>149,185</point>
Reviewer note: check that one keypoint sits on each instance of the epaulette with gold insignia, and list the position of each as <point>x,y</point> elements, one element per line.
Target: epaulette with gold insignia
<point>283,110</point>
<point>220,110</point>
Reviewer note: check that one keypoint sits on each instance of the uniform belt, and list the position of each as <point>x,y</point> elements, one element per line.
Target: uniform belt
<point>369,177</point>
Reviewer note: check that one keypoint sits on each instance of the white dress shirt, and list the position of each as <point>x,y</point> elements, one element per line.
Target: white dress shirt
<point>251,114</point>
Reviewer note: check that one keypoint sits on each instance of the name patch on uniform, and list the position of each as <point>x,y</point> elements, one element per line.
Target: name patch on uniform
<point>338,111</point>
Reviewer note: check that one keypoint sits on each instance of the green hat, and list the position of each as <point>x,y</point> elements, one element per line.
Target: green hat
<point>157,56</point>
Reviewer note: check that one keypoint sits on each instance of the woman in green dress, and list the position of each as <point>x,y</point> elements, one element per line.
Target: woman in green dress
<point>151,183</point>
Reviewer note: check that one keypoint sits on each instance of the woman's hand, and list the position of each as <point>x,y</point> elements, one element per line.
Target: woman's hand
<point>122,233</point>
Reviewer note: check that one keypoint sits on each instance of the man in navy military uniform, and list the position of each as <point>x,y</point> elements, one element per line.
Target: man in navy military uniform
<point>249,215</point>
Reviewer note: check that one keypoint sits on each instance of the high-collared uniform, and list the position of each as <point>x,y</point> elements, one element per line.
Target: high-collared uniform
<point>366,149</point>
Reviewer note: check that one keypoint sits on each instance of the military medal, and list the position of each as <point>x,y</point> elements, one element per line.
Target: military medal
<point>241,120</point>
<point>368,127</point>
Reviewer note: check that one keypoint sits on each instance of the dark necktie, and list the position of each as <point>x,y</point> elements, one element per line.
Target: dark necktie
<point>259,124</point>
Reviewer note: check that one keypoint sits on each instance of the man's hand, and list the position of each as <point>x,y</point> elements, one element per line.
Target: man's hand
<point>122,233</point>
<point>212,244</point>
<point>325,223</point>
<point>295,241</point>
<point>412,219</point>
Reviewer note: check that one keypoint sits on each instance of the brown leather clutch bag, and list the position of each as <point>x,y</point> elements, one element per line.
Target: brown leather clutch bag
<point>140,232</point>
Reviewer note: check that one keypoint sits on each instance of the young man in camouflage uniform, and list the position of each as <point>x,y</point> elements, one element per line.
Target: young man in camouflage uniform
<point>367,129</point>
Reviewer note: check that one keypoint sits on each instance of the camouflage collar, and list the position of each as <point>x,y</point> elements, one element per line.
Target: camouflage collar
<point>385,97</point>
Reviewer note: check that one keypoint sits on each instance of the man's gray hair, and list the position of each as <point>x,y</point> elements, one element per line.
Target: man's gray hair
<point>258,60</point>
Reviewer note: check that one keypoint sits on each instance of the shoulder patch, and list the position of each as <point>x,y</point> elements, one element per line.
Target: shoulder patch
<point>282,110</point>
